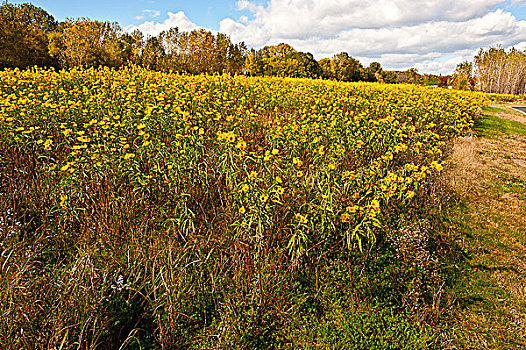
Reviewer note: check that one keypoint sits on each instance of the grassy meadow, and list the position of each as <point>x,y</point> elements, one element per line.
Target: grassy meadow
<point>146,210</point>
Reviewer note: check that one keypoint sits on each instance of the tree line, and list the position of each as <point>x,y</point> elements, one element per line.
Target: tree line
<point>501,71</point>
<point>493,70</point>
<point>30,36</point>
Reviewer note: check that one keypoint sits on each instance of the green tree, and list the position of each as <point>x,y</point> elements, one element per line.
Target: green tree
<point>24,32</point>
<point>343,67</point>
<point>170,39</point>
<point>236,58</point>
<point>131,46</point>
<point>87,43</point>
<point>413,75</point>
<point>153,54</point>
<point>374,72</point>
<point>282,60</point>
<point>200,51</point>
<point>463,75</point>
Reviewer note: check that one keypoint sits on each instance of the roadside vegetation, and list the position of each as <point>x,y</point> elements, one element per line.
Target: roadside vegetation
<point>487,295</point>
<point>152,210</point>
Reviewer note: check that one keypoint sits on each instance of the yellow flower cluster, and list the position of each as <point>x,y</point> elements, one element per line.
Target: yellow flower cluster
<point>275,151</point>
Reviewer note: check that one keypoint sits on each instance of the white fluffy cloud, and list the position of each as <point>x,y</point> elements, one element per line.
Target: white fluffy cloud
<point>432,35</point>
<point>326,18</point>
<point>178,19</point>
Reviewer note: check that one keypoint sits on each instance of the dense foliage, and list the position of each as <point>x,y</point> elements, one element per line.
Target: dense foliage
<point>199,211</point>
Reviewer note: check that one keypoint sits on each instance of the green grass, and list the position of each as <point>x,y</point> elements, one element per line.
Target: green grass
<point>484,277</point>
<point>490,126</point>
<point>494,110</point>
<point>512,184</point>
<point>348,328</point>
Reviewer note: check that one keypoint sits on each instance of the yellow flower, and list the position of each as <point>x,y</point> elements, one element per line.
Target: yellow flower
<point>332,166</point>
<point>47,144</point>
<point>375,207</point>
<point>129,155</point>
<point>252,175</point>
<point>297,161</point>
<point>437,166</point>
<point>241,144</point>
<point>353,209</point>
<point>278,179</point>
<point>281,190</point>
<point>245,188</point>
<point>231,137</point>
<point>299,173</point>
<point>63,200</point>
<point>301,218</point>
<point>410,194</point>
<point>242,210</point>
<point>263,198</point>
<point>141,126</point>
<point>345,218</point>
<point>83,139</point>
<point>275,151</point>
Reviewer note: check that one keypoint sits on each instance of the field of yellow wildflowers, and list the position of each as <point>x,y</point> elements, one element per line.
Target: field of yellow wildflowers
<point>179,211</point>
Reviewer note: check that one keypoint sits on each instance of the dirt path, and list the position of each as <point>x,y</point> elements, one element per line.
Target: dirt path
<point>487,298</point>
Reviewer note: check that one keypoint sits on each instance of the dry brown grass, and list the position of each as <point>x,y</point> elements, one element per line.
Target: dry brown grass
<point>466,173</point>
<point>489,175</point>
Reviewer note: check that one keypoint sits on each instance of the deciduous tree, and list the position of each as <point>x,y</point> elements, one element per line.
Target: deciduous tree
<point>24,32</point>
<point>87,43</point>
<point>500,71</point>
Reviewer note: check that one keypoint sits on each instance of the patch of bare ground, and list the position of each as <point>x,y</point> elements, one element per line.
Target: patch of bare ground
<point>487,297</point>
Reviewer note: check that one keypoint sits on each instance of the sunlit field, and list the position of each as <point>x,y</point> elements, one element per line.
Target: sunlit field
<point>158,210</point>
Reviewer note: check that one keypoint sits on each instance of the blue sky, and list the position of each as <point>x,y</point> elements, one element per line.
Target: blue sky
<point>431,35</point>
<point>519,10</point>
<point>205,13</point>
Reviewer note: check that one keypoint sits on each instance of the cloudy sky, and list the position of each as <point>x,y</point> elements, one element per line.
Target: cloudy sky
<point>431,35</point>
